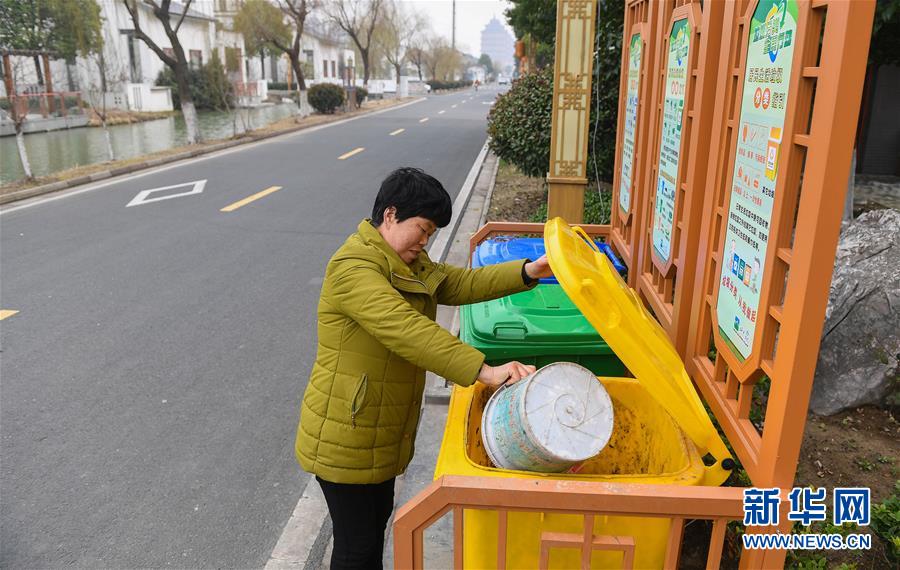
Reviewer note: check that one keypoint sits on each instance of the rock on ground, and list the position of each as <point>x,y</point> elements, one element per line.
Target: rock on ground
<point>858,358</point>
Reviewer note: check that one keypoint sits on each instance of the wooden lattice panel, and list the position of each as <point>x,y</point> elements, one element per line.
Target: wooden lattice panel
<point>807,164</point>
<point>688,48</point>
<point>635,95</point>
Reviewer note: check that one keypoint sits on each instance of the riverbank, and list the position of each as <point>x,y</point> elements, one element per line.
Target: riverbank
<point>71,177</point>
<point>118,117</point>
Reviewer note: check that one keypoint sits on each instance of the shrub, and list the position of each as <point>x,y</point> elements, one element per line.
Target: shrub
<point>596,207</point>
<point>210,88</point>
<point>532,153</point>
<point>519,123</point>
<point>436,84</point>
<point>886,523</point>
<point>361,94</point>
<point>326,97</point>
<point>278,86</point>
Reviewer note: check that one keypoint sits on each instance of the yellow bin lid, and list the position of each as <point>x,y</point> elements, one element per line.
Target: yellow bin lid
<point>614,309</point>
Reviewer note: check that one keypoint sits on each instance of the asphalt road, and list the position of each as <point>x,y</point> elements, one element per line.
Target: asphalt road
<point>151,380</point>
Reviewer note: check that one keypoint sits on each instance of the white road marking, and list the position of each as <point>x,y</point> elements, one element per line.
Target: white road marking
<point>142,196</point>
<point>423,120</point>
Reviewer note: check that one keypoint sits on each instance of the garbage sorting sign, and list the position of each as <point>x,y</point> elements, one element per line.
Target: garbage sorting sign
<point>631,108</point>
<point>773,33</point>
<point>670,138</point>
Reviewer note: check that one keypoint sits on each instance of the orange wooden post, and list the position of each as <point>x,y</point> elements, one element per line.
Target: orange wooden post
<point>791,81</point>
<point>635,96</point>
<point>688,49</point>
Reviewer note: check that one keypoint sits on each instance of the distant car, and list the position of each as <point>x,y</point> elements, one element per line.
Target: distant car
<point>503,80</point>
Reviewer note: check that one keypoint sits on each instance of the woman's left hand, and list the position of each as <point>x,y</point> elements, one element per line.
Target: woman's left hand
<point>539,268</point>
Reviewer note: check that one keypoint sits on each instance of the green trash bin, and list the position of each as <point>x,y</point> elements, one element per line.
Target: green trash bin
<point>537,327</point>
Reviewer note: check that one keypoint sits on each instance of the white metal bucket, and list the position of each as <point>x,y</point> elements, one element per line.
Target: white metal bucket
<point>548,421</point>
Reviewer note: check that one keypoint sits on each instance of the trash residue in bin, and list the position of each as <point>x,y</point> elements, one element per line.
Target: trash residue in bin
<point>556,417</point>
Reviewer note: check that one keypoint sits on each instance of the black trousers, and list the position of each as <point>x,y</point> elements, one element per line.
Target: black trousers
<point>359,516</point>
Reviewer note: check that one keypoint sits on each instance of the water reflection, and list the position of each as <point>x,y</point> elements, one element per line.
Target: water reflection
<point>59,150</point>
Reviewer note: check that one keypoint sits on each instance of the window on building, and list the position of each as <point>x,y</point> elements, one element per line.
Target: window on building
<point>196,59</point>
<point>324,68</point>
<point>134,60</point>
<point>333,68</point>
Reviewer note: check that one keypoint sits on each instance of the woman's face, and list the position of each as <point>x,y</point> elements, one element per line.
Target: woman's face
<point>409,237</point>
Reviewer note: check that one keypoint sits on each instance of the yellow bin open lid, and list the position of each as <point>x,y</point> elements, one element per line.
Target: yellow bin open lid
<point>614,309</point>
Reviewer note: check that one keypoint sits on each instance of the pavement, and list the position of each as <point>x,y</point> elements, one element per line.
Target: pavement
<point>157,330</point>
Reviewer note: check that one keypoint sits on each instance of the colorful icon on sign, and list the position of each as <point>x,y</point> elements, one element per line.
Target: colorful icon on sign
<point>772,149</point>
<point>757,97</point>
<point>766,98</point>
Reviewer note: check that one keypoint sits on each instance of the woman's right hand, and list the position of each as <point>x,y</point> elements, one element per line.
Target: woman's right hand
<point>508,373</point>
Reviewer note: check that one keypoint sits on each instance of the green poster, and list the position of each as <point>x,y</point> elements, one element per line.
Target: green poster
<point>670,138</point>
<point>631,105</point>
<point>760,135</point>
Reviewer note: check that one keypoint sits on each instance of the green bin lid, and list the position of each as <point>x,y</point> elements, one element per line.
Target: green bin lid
<point>541,317</point>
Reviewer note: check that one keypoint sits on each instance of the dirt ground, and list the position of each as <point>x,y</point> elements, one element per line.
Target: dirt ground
<point>856,448</point>
<point>516,197</point>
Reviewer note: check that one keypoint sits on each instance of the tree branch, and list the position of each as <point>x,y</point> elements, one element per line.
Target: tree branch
<point>187,6</point>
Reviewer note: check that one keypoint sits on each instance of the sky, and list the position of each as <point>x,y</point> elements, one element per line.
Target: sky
<point>471,17</point>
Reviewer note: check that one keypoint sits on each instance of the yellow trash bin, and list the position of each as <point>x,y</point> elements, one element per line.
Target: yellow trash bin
<point>660,436</point>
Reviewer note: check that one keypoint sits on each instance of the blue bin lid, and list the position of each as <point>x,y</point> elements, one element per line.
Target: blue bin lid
<point>504,248</point>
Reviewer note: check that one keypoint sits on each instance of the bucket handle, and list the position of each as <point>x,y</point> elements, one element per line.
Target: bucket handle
<point>578,230</point>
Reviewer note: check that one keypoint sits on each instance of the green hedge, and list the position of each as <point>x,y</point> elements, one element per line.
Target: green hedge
<point>520,120</point>
<point>437,84</point>
<point>519,123</point>
<point>361,94</point>
<point>210,88</point>
<point>326,97</point>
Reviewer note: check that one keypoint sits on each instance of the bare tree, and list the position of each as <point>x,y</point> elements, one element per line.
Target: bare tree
<point>13,69</point>
<point>177,62</point>
<point>396,32</point>
<point>416,54</point>
<point>264,28</point>
<point>358,19</point>
<point>112,74</point>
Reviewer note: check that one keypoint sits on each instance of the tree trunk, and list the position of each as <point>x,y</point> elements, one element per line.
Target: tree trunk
<point>69,78</point>
<point>397,68</point>
<point>419,69</point>
<point>365,58</point>
<point>109,147</point>
<point>302,100</point>
<point>23,154</point>
<point>187,104</point>
<point>102,66</point>
<point>40,72</point>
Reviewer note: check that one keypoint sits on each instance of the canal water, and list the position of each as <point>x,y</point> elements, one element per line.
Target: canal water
<point>59,150</point>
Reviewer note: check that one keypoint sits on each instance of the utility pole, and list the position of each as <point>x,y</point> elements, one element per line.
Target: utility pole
<point>453,38</point>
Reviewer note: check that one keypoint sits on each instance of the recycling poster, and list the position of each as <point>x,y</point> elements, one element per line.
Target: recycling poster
<point>760,143</point>
<point>670,139</point>
<point>631,105</point>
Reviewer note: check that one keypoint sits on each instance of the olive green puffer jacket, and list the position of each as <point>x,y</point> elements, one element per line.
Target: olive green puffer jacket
<point>377,337</point>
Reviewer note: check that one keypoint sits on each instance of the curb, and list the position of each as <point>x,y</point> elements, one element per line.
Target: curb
<point>128,169</point>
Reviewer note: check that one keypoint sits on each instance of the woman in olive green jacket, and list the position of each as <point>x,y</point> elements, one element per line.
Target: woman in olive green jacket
<point>376,338</point>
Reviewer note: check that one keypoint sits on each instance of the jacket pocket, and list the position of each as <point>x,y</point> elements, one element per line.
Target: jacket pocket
<point>359,398</point>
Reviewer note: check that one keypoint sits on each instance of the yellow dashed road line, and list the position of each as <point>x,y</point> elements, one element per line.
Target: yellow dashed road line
<point>249,199</point>
<point>4,313</point>
<point>346,155</point>
<point>397,132</point>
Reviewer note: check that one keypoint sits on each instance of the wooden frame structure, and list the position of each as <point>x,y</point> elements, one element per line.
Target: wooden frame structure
<point>812,153</point>
<point>451,493</point>
<point>640,22</point>
<point>666,285</point>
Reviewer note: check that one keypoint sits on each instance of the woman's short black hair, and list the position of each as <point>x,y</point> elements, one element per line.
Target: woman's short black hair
<point>413,193</point>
